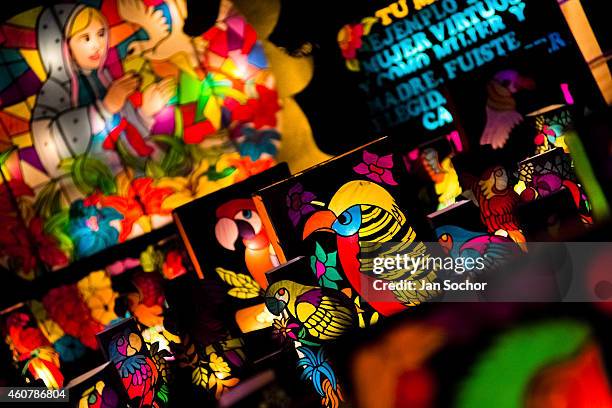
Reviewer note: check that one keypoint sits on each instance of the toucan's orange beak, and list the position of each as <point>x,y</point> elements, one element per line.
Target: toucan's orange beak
<point>320,221</point>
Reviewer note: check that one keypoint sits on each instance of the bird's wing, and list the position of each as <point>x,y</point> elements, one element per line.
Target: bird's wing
<point>370,250</point>
<point>150,20</point>
<point>422,271</point>
<point>498,127</point>
<point>130,365</point>
<point>326,320</point>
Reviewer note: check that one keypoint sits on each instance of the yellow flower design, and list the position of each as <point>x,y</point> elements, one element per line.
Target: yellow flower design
<point>97,292</point>
<point>102,306</point>
<point>94,282</point>
<point>221,376</point>
<point>219,366</point>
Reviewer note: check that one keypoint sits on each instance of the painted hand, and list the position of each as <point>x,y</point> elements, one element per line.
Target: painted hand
<point>156,96</point>
<point>119,91</point>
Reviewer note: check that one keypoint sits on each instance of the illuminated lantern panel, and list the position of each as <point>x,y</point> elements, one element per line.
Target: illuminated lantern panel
<point>32,351</point>
<point>64,323</point>
<point>99,387</point>
<point>100,146</point>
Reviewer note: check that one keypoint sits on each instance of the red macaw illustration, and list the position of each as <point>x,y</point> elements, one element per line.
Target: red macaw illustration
<point>137,370</point>
<point>239,219</point>
<point>498,201</point>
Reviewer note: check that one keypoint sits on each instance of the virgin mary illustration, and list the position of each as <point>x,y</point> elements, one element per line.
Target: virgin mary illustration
<point>82,109</point>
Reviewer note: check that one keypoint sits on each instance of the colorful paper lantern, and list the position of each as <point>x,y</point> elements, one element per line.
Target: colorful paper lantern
<point>86,178</point>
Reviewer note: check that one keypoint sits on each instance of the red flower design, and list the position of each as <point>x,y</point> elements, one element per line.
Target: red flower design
<point>150,288</point>
<point>349,39</point>
<point>140,199</point>
<point>18,245</point>
<point>246,167</point>
<point>261,111</point>
<point>173,265</point>
<point>18,188</point>
<point>65,306</point>
<point>48,249</point>
<point>25,336</point>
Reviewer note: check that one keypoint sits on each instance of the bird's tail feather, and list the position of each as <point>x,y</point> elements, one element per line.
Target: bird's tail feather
<point>498,127</point>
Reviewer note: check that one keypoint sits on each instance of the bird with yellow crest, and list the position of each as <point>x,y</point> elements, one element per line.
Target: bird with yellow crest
<point>368,223</point>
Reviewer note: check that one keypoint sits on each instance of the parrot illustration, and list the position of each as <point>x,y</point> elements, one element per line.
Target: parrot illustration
<point>458,242</point>
<point>239,219</point>
<point>498,201</point>
<point>136,369</point>
<point>502,116</point>
<point>323,313</point>
<point>542,185</point>
<point>364,215</point>
<point>444,176</point>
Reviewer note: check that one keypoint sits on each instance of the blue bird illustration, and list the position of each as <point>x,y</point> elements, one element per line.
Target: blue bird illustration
<point>494,250</point>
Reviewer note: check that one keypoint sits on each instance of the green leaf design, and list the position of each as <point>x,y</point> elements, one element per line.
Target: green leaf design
<point>331,259</point>
<point>129,159</point>
<point>176,161</point>
<point>214,175</point>
<point>162,393</point>
<point>244,287</point>
<point>320,253</point>
<point>199,376</point>
<point>195,152</point>
<point>48,200</point>
<point>154,170</point>
<point>56,226</point>
<point>313,262</point>
<point>90,174</point>
<point>325,282</point>
<point>332,274</point>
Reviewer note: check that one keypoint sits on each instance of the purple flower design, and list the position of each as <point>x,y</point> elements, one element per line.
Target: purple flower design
<point>298,202</point>
<point>376,168</point>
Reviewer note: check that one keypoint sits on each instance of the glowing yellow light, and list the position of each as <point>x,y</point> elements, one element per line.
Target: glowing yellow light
<point>583,33</point>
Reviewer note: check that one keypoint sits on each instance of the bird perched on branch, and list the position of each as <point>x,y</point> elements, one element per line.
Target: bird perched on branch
<point>323,313</point>
<point>364,216</point>
<point>502,115</point>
